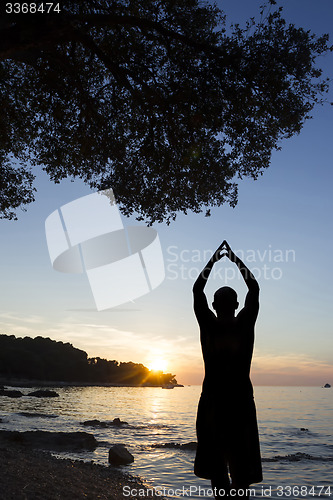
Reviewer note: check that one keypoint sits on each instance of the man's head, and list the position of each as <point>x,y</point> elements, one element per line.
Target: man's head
<point>225,301</point>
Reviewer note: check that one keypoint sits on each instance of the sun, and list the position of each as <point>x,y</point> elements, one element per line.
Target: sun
<point>158,364</point>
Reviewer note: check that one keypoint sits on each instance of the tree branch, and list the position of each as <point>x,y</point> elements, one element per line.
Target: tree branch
<point>117,72</point>
<point>38,33</point>
<point>109,19</point>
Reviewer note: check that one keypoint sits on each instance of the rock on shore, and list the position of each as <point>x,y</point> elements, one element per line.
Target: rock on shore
<point>116,422</point>
<point>43,394</point>
<point>57,441</point>
<point>11,393</point>
<point>119,455</point>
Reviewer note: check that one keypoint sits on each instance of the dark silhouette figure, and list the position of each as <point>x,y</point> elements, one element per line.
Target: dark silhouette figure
<point>227,429</point>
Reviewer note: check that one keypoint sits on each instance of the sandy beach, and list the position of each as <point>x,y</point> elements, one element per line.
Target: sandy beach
<point>28,474</point>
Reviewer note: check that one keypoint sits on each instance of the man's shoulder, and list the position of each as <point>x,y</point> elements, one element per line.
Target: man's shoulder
<point>246,319</point>
<point>206,318</point>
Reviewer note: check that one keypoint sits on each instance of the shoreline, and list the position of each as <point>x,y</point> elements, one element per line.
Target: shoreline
<point>58,383</point>
<point>30,474</point>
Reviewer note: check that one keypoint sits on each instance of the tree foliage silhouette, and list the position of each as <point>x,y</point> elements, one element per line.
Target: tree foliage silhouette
<point>158,100</point>
<point>48,360</point>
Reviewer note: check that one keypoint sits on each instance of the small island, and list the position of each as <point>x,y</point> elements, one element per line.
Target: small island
<point>55,363</point>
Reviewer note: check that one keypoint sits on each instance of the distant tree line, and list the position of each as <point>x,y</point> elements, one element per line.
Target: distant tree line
<point>45,359</point>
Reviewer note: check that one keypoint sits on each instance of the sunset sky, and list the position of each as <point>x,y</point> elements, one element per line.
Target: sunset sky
<point>282,226</point>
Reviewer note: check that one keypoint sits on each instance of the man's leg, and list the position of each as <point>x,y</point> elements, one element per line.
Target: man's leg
<point>221,485</point>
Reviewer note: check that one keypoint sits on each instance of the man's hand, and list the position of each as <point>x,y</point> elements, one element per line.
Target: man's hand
<point>230,254</point>
<point>218,254</point>
<point>248,277</point>
<point>201,280</point>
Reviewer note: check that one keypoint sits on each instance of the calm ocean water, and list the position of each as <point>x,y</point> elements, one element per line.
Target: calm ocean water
<point>295,426</point>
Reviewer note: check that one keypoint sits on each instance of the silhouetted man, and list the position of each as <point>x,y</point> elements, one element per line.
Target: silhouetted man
<point>226,422</point>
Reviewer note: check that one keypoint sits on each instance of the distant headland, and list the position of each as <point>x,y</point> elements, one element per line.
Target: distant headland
<point>51,362</point>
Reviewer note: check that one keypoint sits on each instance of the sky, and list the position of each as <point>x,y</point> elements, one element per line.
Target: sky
<point>282,227</point>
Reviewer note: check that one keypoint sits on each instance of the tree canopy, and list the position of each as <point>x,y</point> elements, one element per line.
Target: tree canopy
<point>158,100</point>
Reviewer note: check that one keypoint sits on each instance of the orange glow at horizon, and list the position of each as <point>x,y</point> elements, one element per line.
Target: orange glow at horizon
<point>158,364</point>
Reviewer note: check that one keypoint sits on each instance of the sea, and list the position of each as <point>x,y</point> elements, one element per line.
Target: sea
<point>295,427</point>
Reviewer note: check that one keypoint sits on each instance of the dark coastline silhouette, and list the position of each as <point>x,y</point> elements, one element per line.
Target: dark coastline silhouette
<point>226,421</point>
<point>43,359</point>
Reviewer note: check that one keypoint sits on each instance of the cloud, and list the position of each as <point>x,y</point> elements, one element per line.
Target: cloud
<point>182,353</point>
<point>290,369</point>
<point>289,362</point>
<point>31,319</point>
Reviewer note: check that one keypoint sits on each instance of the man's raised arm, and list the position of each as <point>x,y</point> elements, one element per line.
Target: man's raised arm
<point>201,280</point>
<point>201,308</point>
<point>252,297</point>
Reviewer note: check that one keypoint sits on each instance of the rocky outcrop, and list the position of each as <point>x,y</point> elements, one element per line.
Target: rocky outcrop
<point>43,394</point>
<point>119,455</point>
<point>191,446</point>
<point>57,441</point>
<point>11,393</point>
<point>116,422</point>
<point>36,415</point>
